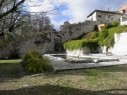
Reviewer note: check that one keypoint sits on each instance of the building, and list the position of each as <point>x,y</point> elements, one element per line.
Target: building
<point>105,17</point>
<point>123,9</point>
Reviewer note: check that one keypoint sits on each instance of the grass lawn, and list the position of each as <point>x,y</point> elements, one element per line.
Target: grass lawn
<point>95,81</point>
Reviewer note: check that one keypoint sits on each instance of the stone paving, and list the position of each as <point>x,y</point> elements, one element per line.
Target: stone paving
<point>95,60</point>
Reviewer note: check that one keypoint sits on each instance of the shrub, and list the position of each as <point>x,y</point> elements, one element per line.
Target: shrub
<point>107,26</point>
<point>78,44</point>
<point>35,63</point>
<point>95,28</point>
<point>115,23</point>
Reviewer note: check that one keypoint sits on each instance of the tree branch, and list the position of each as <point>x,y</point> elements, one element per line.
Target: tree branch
<point>12,9</point>
<point>1,34</point>
<point>1,3</point>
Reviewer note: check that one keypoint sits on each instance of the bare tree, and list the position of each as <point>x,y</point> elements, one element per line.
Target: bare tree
<point>13,8</point>
<point>40,22</point>
<point>13,11</point>
<point>9,17</point>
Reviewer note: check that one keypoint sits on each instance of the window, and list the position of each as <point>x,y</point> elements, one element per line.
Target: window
<point>99,16</point>
<point>123,11</point>
<point>106,17</point>
<point>91,19</point>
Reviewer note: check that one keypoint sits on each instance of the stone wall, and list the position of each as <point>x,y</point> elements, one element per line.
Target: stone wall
<point>120,46</point>
<point>5,52</point>
<point>70,31</point>
<point>41,43</point>
<point>44,43</point>
<point>84,50</point>
<point>123,20</point>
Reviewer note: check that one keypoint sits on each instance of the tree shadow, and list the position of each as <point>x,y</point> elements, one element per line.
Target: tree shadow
<point>100,72</point>
<point>93,71</point>
<point>59,90</point>
<point>9,71</point>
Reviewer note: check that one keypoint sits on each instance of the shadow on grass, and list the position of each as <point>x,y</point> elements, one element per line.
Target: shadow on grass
<point>58,90</point>
<point>12,71</point>
<point>9,71</point>
<point>95,71</point>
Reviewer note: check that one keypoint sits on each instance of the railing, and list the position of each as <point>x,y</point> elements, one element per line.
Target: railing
<point>123,21</point>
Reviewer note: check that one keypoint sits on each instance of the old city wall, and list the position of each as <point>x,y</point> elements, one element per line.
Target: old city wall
<point>120,46</point>
<point>44,43</point>
<point>5,52</point>
<point>71,31</point>
<point>40,43</point>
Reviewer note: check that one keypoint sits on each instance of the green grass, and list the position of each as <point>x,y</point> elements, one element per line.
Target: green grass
<point>94,81</point>
<point>85,41</point>
<point>8,62</point>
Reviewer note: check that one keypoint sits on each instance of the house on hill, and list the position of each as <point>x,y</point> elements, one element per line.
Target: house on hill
<point>107,17</point>
<point>123,9</point>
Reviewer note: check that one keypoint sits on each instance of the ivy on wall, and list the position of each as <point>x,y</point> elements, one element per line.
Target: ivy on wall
<point>105,37</point>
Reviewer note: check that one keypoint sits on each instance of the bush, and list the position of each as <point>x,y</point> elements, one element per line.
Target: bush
<point>35,63</point>
<point>95,28</point>
<point>115,23</point>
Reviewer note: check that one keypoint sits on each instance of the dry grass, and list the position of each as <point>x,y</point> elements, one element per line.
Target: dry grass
<point>95,81</point>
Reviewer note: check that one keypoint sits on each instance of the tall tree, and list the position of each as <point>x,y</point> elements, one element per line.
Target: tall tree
<point>40,22</point>
<point>9,15</point>
<point>11,5</point>
<point>15,16</point>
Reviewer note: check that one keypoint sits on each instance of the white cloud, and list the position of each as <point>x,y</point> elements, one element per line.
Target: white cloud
<point>79,9</point>
<point>57,24</point>
<point>40,5</point>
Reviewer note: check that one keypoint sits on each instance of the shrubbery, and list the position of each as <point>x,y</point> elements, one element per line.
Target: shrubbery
<point>35,63</point>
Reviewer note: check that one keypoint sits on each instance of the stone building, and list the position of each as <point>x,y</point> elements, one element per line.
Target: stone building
<point>123,9</point>
<point>71,31</point>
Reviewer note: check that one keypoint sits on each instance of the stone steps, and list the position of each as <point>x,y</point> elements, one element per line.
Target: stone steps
<point>59,65</point>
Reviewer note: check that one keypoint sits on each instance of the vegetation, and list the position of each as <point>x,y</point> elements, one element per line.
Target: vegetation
<point>94,81</point>
<point>34,62</point>
<point>78,44</point>
<point>9,69</point>
<point>105,37</point>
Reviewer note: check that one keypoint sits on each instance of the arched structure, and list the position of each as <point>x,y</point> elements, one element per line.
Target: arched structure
<point>58,43</point>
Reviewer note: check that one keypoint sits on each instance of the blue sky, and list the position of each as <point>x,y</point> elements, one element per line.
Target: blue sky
<point>74,11</point>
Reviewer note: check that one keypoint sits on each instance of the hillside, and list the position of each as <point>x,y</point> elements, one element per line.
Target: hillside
<point>105,37</point>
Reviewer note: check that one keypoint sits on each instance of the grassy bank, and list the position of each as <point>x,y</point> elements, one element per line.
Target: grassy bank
<point>105,37</point>
<point>95,81</point>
